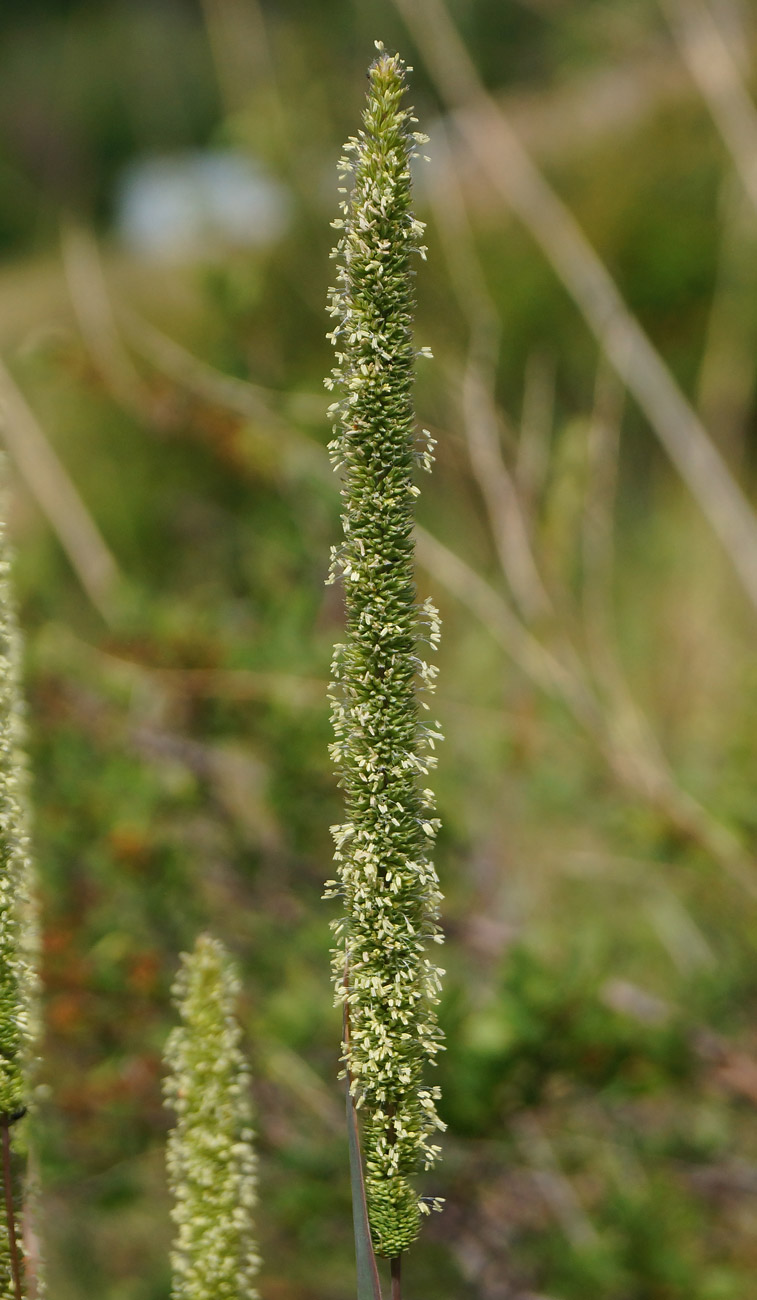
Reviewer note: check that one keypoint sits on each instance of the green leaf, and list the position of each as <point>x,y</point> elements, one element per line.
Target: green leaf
<point>368,1286</point>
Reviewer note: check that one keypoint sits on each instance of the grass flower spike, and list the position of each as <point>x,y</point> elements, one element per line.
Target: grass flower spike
<point>386,879</point>
<point>211,1162</point>
<point>18,948</point>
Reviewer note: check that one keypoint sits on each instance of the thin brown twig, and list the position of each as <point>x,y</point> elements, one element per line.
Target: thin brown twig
<point>10,1213</point>
<point>396,1274</point>
<point>60,502</point>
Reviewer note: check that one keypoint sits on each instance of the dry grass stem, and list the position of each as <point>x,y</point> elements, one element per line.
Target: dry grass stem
<point>458,245</point>
<point>240,49</point>
<point>557,1189</point>
<point>100,326</point>
<point>598,544</point>
<point>542,647</point>
<point>727,373</point>
<point>522,186</point>
<point>636,763</point>
<point>715,70</point>
<point>289,1070</point>
<point>482,425</point>
<point>481,418</point>
<point>60,502</point>
<point>83,268</point>
<point>536,422</point>
<point>457,577</point>
<point>242,398</point>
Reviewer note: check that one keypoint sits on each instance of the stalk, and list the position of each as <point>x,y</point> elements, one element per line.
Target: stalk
<point>382,748</point>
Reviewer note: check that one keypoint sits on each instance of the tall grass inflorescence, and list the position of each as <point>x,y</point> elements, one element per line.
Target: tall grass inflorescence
<point>19,1029</point>
<point>386,879</point>
<point>211,1161</point>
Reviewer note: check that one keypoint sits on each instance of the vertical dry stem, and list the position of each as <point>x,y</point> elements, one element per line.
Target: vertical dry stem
<point>522,186</point>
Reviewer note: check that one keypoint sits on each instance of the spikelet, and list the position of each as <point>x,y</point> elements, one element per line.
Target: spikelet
<point>211,1161</point>
<point>382,747</point>
<point>19,1018</point>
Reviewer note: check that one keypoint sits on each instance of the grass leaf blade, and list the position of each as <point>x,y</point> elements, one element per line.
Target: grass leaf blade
<point>368,1286</point>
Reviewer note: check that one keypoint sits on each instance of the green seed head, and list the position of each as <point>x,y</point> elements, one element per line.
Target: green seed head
<point>211,1162</point>
<point>382,745</point>
<point>19,1020</point>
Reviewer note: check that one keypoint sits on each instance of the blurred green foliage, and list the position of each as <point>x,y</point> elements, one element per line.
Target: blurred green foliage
<point>600,1005</point>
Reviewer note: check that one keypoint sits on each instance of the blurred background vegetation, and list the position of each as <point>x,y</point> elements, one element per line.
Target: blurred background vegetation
<point>167,178</point>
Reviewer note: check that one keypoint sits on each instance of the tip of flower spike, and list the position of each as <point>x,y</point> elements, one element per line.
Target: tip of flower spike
<point>382,50</point>
<point>387,63</point>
